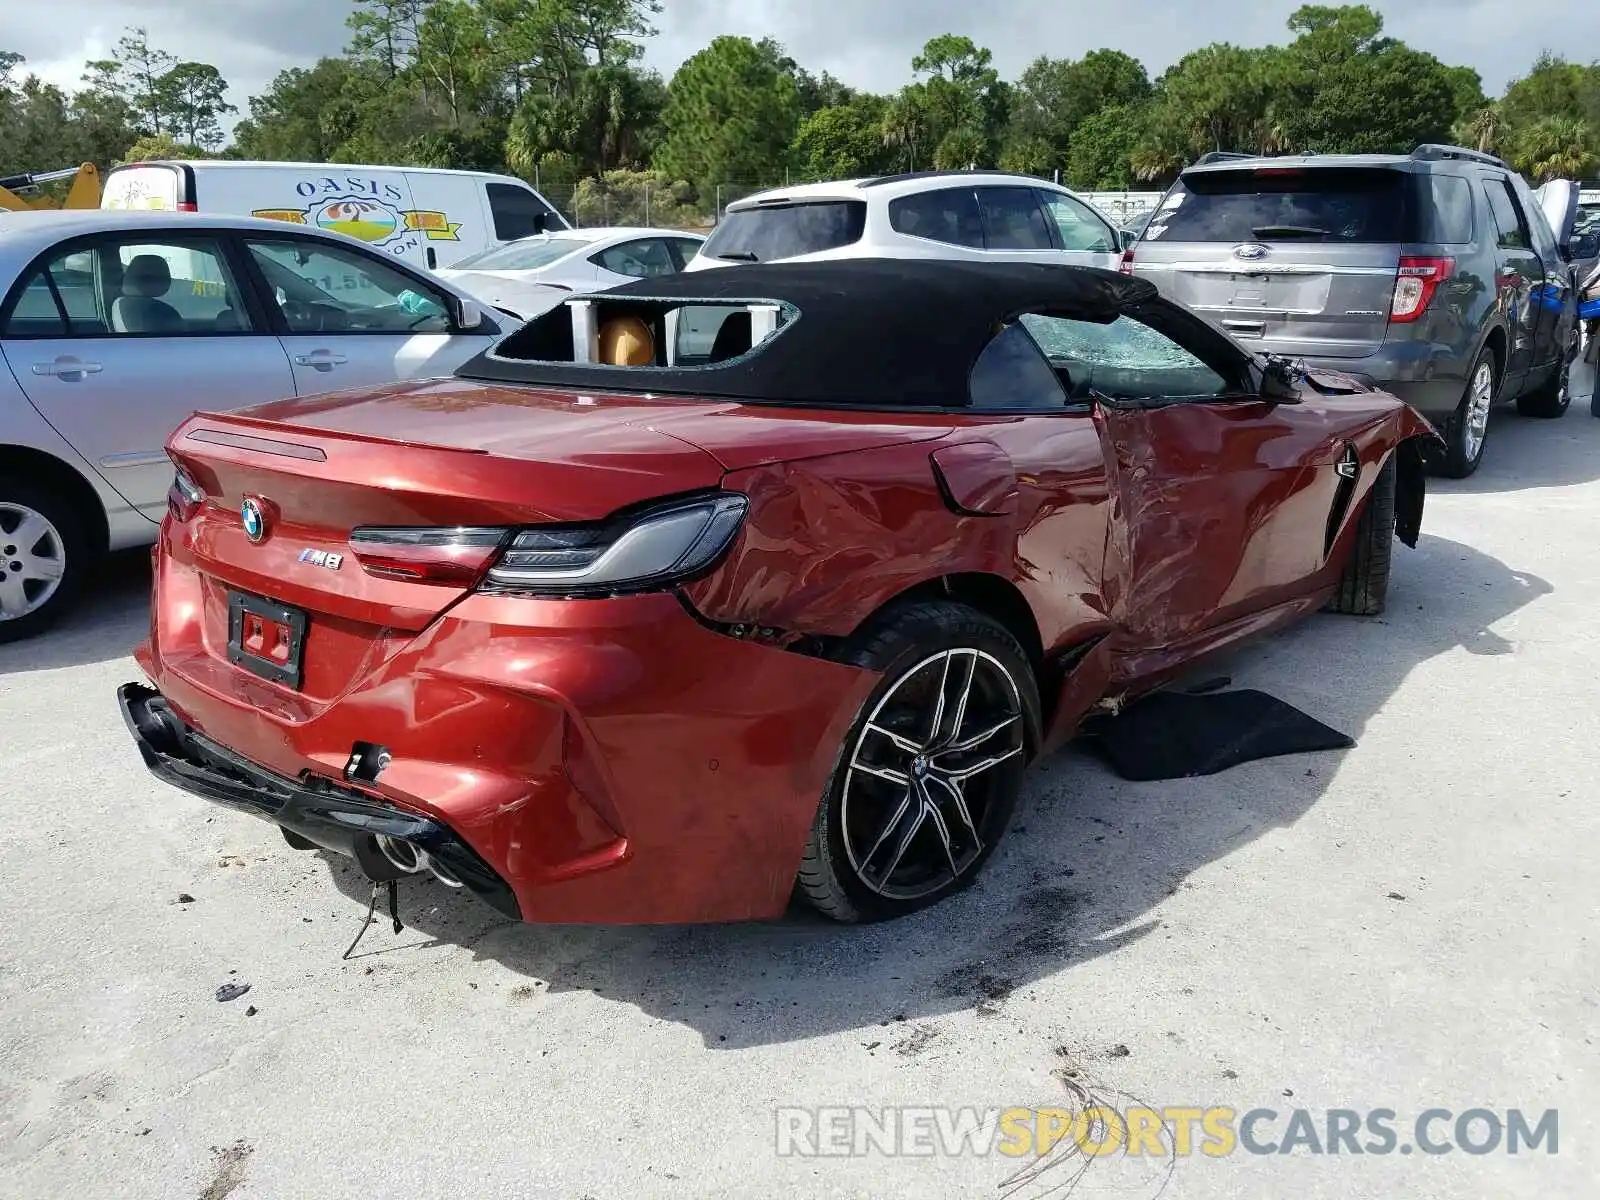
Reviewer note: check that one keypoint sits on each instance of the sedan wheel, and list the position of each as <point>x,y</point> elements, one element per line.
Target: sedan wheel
<point>43,555</point>
<point>33,560</point>
<point>929,775</point>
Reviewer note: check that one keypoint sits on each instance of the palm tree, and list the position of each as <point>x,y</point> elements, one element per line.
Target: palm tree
<point>904,127</point>
<point>1555,148</point>
<point>1482,129</point>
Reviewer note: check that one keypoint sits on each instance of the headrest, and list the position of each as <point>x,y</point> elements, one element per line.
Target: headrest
<point>627,342</point>
<point>146,275</point>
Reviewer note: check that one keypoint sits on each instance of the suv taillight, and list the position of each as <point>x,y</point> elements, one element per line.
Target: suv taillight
<point>1126,266</point>
<point>1418,279</point>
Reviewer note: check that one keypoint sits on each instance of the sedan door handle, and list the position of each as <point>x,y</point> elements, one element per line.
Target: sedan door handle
<point>67,367</point>
<point>322,360</point>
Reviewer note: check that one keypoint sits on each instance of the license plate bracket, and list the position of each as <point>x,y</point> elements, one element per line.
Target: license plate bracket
<point>266,638</point>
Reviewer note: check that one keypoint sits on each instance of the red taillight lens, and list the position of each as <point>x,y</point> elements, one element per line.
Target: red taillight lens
<point>1126,266</point>
<point>188,206</point>
<point>184,497</point>
<point>1418,279</point>
<point>457,556</point>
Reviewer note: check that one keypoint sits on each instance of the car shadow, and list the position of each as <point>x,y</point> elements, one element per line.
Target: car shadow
<point>1566,450</point>
<point>112,618</point>
<point>1083,872</point>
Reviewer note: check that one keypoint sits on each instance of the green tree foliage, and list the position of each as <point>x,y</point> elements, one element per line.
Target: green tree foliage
<point>43,128</point>
<point>731,116</point>
<point>957,114</point>
<point>1102,150</point>
<point>554,90</point>
<point>1056,96</point>
<point>141,70</point>
<point>635,198</point>
<point>194,97</point>
<point>1555,148</point>
<point>154,147</point>
<point>844,141</point>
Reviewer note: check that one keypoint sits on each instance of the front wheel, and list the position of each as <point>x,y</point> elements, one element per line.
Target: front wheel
<point>44,554</point>
<point>1364,586</point>
<point>929,774</point>
<point>1553,397</point>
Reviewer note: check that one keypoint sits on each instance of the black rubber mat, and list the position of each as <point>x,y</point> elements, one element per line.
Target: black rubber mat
<point>1178,735</point>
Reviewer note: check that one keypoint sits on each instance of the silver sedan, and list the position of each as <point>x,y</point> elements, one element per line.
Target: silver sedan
<point>116,326</point>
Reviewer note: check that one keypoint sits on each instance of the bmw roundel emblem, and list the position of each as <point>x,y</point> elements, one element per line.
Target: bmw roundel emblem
<point>255,521</point>
<point>1250,250</point>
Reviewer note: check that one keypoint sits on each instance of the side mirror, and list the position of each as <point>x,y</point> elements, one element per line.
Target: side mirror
<point>1280,380</point>
<point>1128,237</point>
<point>540,224</point>
<point>469,313</point>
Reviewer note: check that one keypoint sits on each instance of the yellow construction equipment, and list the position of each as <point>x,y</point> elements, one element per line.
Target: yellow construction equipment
<point>84,192</point>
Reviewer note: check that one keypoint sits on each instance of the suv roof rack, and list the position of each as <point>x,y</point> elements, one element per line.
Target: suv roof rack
<point>908,176</point>
<point>1434,152</point>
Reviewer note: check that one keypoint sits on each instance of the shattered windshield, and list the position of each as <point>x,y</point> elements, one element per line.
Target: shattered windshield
<point>1125,359</point>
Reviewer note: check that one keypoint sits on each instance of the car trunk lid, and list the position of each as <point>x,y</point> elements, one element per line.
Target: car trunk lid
<point>451,457</point>
<point>443,457</point>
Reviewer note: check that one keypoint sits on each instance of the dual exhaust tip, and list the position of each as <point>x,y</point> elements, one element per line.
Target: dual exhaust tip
<point>411,859</point>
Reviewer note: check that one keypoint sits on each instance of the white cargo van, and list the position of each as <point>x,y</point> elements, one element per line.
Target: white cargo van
<point>426,216</point>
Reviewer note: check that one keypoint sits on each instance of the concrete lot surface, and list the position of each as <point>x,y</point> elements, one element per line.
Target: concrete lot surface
<point>1407,925</point>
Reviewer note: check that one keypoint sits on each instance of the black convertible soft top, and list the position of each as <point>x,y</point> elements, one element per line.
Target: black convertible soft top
<point>856,332</point>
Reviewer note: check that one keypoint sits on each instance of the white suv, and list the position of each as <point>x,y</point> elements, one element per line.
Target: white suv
<point>973,215</point>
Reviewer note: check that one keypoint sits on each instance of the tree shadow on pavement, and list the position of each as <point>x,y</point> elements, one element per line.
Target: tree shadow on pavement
<point>112,618</point>
<point>1083,872</point>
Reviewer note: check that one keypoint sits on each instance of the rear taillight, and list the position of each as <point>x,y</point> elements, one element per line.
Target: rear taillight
<point>1418,279</point>
<point>1126,266</point>
<point>184,497</point>
<point>649,550</point>
<point>188,206</point>
<point>457,556</point>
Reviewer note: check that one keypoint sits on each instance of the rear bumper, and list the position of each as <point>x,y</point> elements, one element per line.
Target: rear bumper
<point>1410,371</point>
<point>613,761</point>
<point>317,810</point>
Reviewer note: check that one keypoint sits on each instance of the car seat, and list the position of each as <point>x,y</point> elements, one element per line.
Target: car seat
<point>139,309</point>
<point>627,342</point>
<point>733,338</point>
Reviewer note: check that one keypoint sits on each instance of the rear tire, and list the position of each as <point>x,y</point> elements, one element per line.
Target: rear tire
<point>45,554</point>
<point>1553,397</point>
<point>1364,586</point>
<point>1467,431</point>
<point>922,791</point>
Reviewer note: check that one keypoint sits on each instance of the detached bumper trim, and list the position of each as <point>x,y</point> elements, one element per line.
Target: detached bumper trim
<point>316,810</point>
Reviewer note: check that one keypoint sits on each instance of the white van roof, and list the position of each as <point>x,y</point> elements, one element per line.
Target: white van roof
<point>231,164</point>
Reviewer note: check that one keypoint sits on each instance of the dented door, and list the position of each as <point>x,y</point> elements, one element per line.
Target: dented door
<point>1219,509</point>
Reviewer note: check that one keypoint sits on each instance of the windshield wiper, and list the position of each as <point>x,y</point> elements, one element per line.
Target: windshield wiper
<point>739,256</point>
<point>1265,231</point>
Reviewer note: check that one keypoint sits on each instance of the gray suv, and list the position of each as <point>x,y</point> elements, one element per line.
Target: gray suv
<point>1436,276</point>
